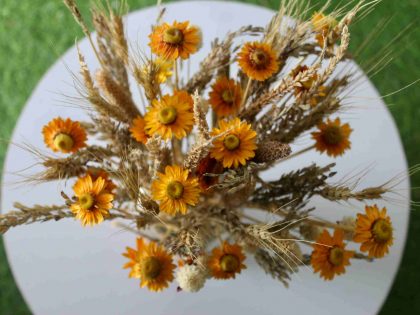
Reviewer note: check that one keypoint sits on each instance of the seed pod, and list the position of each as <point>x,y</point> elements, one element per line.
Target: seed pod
<point>271,151</point>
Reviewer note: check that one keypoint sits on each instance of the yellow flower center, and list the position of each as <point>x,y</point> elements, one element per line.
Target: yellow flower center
<point>229,263</point>
<point>86,201</point>
<point>150,268</point>
<point>173,36</point>
<point>231,142</point>
<point>259,57</point>
<point>63,142</point>
<point>227,96</point>
<point>167,115</point>
<point>382,230</point>
<point>336,256</point>
<point>332,135</point>
<point>175,189</point>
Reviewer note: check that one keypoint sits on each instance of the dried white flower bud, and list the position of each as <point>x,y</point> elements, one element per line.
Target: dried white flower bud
<point>191,278</point>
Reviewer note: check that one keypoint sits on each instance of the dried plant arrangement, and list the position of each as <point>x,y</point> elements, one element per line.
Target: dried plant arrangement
<point>183,171</point>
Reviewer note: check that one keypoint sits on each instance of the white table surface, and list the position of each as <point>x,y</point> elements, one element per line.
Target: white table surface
<point>62,268</point>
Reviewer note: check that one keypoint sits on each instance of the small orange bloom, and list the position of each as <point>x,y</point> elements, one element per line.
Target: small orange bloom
<point>329,256</point>
<point>95,173</point>
<point>238,144</point>
<point>93,200</point>
<point>258,61</point>
<point>134,256</point>
<point>176,40</point>
<point>171,116</point>
<point>185,98</point>
<point>137,130</point>
<point>226,261</point>
<point>175,190</point>
<point>66,136</point>
<point>374,230</point>
<point>152,264</point>
<point>225,97</point>
<point>332,137</point>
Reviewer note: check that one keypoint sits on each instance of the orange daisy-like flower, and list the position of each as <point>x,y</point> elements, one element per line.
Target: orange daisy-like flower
<point>66,136</point>
<point>238,144</point>
<point>171,116</point>
<point>137,130</point>
<point>226,261</point>
<point>176,40</point>
<point>225,97</point>
<point>258,61</point>
<point>332,137</point>
<point>374,230</point>
<point>184,97</point>
<point>134,256</point>
<point>329,256</point>
<point>306,84</point>
<point>95,173</point>
<point>93,200</point>
<point>175,190</point>
<point>152,264</point>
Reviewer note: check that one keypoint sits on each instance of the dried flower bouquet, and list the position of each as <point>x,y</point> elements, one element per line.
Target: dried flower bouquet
<point>183,184</point>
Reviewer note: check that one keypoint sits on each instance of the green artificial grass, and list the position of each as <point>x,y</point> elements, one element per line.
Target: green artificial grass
<point>34,33</point>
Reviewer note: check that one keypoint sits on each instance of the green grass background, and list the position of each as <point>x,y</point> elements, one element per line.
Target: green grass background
<point>34,33</point>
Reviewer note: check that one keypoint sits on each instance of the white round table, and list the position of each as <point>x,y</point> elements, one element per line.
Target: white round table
<point>62,268</point>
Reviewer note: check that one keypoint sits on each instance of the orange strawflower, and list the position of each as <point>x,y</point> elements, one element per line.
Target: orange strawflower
<point>93,200</point>
<point>225,97</point>
<point>134,256</point>
<point>329,256</point>
<point>226,261</point>
<point>237,146</point>
<point>178,40</point>
<point>152,264</point>
<point>258,61</point>
<point>171,116</point>
<point>374,230</point>
<point>175,190</point>
<point>137,130</point>
<point>185,98</point>
<point>64,136</point>
<point>332,137</point>
<point>95,173</point>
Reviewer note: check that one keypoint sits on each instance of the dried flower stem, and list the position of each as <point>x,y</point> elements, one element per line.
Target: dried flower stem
<point>27,215</point>
<point>72,6</point>
<point>244,97</point>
